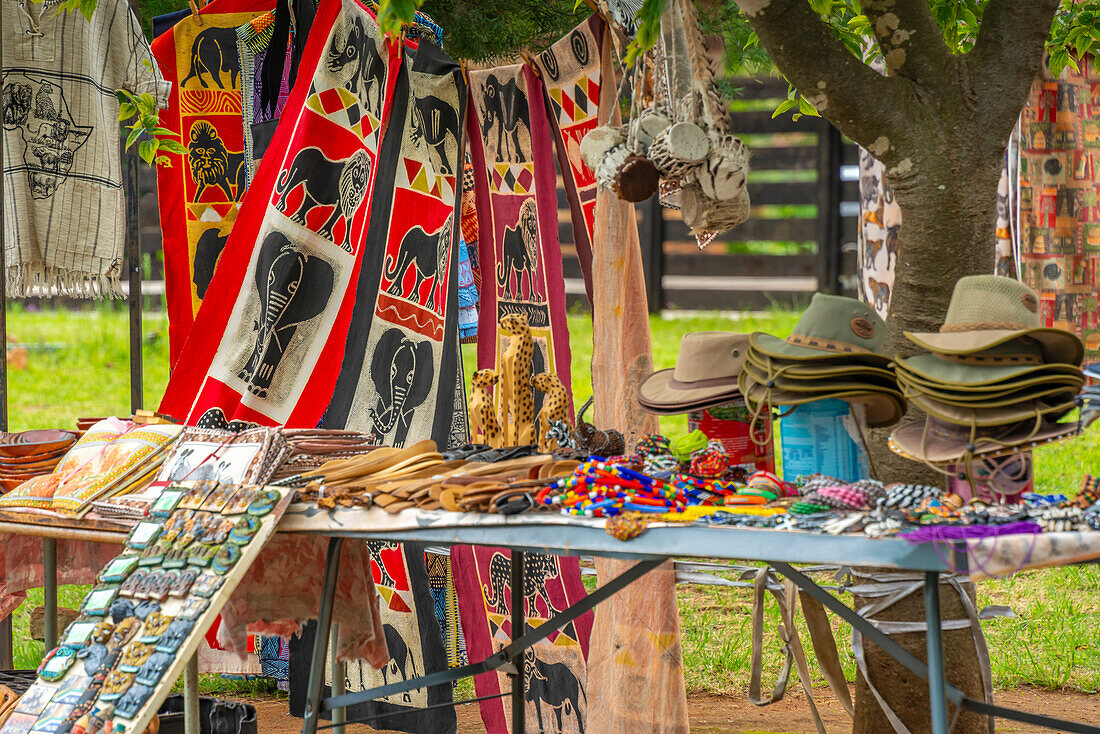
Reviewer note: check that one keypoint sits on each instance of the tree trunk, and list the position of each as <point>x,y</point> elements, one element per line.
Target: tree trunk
<point>948,212</point>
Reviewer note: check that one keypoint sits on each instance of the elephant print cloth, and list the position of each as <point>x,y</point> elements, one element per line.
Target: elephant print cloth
<point>571,75</point>
<point>269,339</point>
<point>415,644</point>
<point>554,669</point>
<point>518,251</point>
<point>200,193</point>
<point>1059,198</point>
<point>401,367</point>
<point>64,226</point>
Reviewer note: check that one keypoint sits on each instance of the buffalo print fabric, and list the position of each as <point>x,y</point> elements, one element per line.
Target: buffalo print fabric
<point>571,74</point>
<point>518,251</point>
<point>200,193</point>
<point>268,342</point>
<point>415,645</point>
<point>401,367</point>
<point>1059,198</point>
<point>554,669</point>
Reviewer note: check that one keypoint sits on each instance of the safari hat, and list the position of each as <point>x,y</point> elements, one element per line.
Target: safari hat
<point>812,370</point>
<point>706,373</point>
<point>999,415</point>
<point>989,310</point>
<point>849,380</point>
<point>939,443</point>
<point>884,407</point>
<point>832,328</point>
<point>1004,363</point>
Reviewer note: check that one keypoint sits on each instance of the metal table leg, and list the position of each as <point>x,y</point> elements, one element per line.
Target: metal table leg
<point>937,692</point>
<point>519,627</point>
<point>320,642</point>
<point>339,678</point>
<point>191,696</point>
<point>49,570</point>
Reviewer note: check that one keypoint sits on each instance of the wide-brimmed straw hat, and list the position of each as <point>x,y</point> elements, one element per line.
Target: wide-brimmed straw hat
<point>832,328</point>
<point>939,443</point>
<point>705,374</point>
<point>989,310</point>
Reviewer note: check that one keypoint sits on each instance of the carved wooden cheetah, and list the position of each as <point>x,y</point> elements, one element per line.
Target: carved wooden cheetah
<point>555,407</point>
<point>486,428</point>
<point>516,402</point>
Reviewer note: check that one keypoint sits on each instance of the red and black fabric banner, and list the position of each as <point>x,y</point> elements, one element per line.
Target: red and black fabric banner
<point>518,250</point>
<point>199,194</point>
<point>268,343</point>
<point>401,367</point>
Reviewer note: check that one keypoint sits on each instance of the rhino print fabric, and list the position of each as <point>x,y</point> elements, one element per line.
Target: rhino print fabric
<point>199,194</point>
<point>401,367</point>
<point>267,344</point>
<point>64,225</point>
<point>554,669</point>
<point>518,251</point>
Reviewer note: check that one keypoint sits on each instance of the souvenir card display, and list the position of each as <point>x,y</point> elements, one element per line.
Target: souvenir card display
<point>143,621</point>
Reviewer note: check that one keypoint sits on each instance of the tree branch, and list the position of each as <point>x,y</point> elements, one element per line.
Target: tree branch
<point>838,84</point>
<point>1007,56</point>
<point>911,40</point>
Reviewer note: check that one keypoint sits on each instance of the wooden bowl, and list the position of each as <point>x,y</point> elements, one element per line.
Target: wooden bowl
<point>10,484</point>
<point>83,424</point>
<point>46,465</point>
<point>35,442</point>
<point>14,461</point>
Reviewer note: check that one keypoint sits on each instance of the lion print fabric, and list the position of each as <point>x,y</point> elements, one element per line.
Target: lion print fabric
<point>200,193</point>
<point>401,366</point>
<point>554,669</point>
<point>518,252</point>
<point>268,342</point>
<point>571,75</point>
<point>64,209</point>
<point>1059,198</point>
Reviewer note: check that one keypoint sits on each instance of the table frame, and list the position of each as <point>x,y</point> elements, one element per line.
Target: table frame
<point>566,540</point>
<point>651,549</point>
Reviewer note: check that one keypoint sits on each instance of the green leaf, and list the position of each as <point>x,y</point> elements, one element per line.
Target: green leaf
<point>133,136</point>
<point>806,108</point>
<point>169,145</point>
<point>160,131</point>
<point>126,110</point>
<point>783,106</point>
<point>163,160</point>
<point>147,150</point>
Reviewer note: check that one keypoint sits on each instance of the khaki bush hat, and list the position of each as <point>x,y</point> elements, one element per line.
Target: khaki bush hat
<point>706,373</point>
<point>883,408</point>
<point>833,328</point>
<point>994,388</point>
<point>804,383</point>
<point>812,370</point>
<point>988,310</point>
<point>1008,396</point>
<point>992,416</point>
<point>1001,364</point>
<point>936,442</point>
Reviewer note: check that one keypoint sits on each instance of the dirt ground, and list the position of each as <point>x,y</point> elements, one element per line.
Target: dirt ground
<point>735,715</point>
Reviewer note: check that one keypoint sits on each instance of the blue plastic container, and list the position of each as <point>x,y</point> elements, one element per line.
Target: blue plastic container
<point>815,440</point>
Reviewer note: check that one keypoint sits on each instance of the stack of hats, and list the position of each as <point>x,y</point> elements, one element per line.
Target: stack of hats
<point>833,353</point>
<point>995,381</point>
<point>31,454</point>
<point>705,375</point>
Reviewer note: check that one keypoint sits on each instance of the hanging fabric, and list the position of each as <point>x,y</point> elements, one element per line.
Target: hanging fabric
<point>199,193</point>
<point>415,646</point>
<point>553,669</point>
<point>253,45</point>
<point>401,366</point>
<point>570,71</point>
<point>64,206</point>
<point>518,251</point>
<point>1059,182</point>
<point>268,342</point>
<point>442,582</point>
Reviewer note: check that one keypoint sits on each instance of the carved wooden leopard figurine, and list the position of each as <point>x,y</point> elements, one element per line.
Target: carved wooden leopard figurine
<point>555,407</point>
<point>515,382</point>
<point>486,427</point>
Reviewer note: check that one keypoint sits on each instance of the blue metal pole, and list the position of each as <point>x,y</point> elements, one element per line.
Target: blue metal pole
<point>937,689</point>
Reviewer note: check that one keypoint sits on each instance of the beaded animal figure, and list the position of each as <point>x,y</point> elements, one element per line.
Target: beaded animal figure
<point>517,407</point>
<point>484,416</point>
<point>555,408</point>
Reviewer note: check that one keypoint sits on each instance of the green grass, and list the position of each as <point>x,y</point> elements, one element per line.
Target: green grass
<point>78,367</point>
